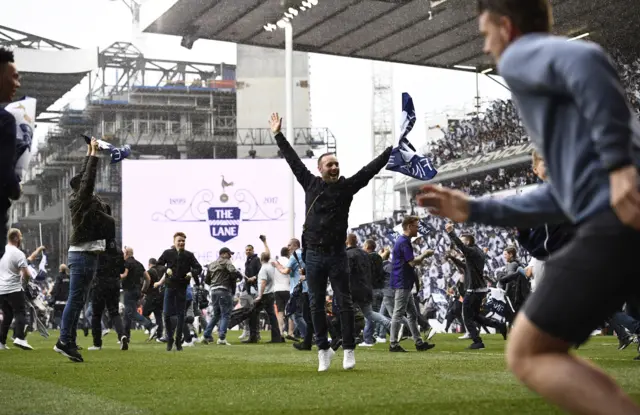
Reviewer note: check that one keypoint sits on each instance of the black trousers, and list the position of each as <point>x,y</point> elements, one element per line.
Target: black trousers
<point>267,304</point>
<point>454,312</point>
<point>153,305</point>
<point>5,204</point>
<point>472,318</point>
<point>105,297</point>
<point>13,307</point>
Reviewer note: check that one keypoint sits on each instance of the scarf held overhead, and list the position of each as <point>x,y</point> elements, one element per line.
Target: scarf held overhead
<point>404,158</point>
<point>117,153</point>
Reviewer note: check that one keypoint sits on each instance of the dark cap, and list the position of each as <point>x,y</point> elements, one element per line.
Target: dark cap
<point>226,250</point>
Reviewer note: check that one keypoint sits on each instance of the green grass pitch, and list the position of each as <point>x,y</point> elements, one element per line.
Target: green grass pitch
<point>276,379</point>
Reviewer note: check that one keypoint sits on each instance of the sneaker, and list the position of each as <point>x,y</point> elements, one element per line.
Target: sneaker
<point>3,346</point>
<point>153,331</point>
<point>21,343</point>
<point>302,346</point>
<point>476,346</point>
<point>94,348</point>
<point>243,336</point>
<point>421,347</point>
<point>189,344</point>
<point>324,359</point>
<point>397,349</point>
<point>222,342</point>
<point>381,340</point>
<point>146,331</point>
<point>206,340</point>
<point>365,344</point>
<point>169,344</point>
<point>162,340</point>
<point>68,351</point>
<point>105,332</point>
<point>623,343</point>
<point>178,346</point>
<point>464,336</point>
<point>349,360</point>
<point>432,333</point>
<point>124,343</point>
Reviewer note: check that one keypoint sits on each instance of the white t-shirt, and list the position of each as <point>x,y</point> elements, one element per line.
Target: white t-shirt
<point>282,282</point>
<point>267,273</point>
<point>10,264</point>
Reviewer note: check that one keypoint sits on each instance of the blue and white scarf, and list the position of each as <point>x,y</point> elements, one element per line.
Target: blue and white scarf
<point>117,153</point>
<point>404,158</point>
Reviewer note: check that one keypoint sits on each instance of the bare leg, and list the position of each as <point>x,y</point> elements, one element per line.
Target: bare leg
<point>544,365</point>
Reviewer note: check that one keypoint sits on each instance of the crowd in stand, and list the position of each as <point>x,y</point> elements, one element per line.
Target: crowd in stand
<point>499,127</point>
<point>495,180</point>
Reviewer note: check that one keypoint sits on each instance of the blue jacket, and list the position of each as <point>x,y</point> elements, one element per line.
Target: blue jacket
<point>574,108</point>
<point>544,240</point>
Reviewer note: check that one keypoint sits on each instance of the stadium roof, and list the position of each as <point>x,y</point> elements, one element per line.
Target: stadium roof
<point>440,33</point>
<point>48,69</point>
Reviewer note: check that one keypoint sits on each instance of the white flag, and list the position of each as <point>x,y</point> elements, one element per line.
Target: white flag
<point>24,111</point>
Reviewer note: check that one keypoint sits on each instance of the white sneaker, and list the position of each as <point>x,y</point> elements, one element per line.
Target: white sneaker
<point>324,359</point>
<point>432,333</point>
<point>105,332</point>
<point>381,340</point>
<point>94,348</point>
<point>146,331</point>
<point>349,361</point>
<point>3,346</point>
<point>464,336</point>
<point>22,344</point>
<point>243,336</point>
<point>223,342</point>
<point>189,344</point>
<point>153,331</point>
<point>365,344</point>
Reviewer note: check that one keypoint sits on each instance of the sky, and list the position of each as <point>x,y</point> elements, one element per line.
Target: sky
<point>341,88</point>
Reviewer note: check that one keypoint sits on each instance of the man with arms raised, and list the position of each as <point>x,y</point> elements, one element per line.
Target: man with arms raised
<point>327,200</point>
<point>573,106</point>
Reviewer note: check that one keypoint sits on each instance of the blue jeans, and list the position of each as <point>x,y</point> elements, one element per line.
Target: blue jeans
<point>222,304</point>
<point>371,328</point>
<point>373,319</point>
<point>175,304</point>
<point>321,267</point>
<point>82,267</point>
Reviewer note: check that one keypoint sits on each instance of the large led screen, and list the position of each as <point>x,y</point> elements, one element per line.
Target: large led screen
<point>215,203</point>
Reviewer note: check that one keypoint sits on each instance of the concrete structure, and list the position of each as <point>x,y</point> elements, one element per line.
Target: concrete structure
<point>261,91</point>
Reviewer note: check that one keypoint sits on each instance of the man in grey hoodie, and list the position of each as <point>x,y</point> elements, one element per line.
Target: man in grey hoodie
<point>573,106</point>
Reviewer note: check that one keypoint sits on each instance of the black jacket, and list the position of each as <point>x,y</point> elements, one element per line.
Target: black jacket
<point>377,272</point>
<point>360,275</point>
<point>9,184</point>
<point>91,218</point>
<point>155,274</point>
<point>110,266</point>
<point>60,290</point>
<point>326,220</point>
<point>544,240</point>
<point>474,260</point>
<point>180,263</point>
<point>251,269</point>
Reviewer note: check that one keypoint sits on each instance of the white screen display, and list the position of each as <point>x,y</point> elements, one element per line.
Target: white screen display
<point>215,203</point>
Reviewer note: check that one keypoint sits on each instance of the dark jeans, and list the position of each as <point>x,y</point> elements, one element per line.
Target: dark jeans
<point>266,303</point>
<point>5,204</point>
<point>175,302</point>
<point>105,298</point>
<point>471,315</point>
<point>322,267</point>
<point>305,304</point>
<point>82,267</point>
<point>153,304</point>
<point>13,307</point>
<point>131,299</point>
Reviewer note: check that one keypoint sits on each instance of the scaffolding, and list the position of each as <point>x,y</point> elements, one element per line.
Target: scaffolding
<point>382,127</point>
